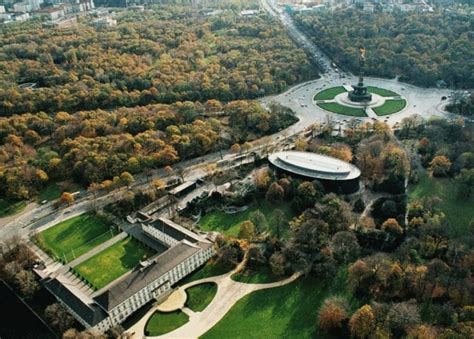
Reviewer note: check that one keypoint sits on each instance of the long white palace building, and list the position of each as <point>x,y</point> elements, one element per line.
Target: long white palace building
<point>152,279</point>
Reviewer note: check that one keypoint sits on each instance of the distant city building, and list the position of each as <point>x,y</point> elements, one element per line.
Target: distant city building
<point>61,23</point>
<point>50,13</point>
<point>2,9</point>
<point>104,22</point>
<point>21,7</point>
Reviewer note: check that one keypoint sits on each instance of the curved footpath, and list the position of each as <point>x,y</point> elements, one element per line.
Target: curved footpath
<point>228,293</point>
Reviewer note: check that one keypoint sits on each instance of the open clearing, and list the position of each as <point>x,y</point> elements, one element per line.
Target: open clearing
<point>74,237</point>
<point>229,223</point>
<point>459,211</point>
<point>289,311</point>
<point>114,261</point>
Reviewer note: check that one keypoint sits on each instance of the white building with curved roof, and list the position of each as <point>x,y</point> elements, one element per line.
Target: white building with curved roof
<point>335,174</point>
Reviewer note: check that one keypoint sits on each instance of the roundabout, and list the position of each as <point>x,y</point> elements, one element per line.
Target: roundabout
<point>380,102</point>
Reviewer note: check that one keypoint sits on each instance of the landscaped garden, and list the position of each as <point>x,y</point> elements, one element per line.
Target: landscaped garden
<point>390,107</point>
<point>330,93</point>
<point>458,210</point>
<point>200,296</point>
<point>289,311</point>
<point>340,109</point>
<point>8,207</point>
<point>114,261</point>
<point>161,323</point>
<point>381,91</point>
<point>74,237</point>
<point>228,224</point>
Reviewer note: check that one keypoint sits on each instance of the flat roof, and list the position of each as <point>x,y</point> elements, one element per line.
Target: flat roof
<point>314,165</point>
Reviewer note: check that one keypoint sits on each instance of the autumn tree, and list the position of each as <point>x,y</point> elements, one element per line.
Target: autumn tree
<point>67,198</point>
<point>247,230</point>
<point>440,165</point>
<point>58,317</point>
<point>275,193</point>
<point>362,322</point>
<point>333,314</point>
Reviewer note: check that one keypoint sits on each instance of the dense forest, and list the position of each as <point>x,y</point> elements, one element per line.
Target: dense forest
<point>156,89</point>
<point>161,56</point>
<point>421,49</point>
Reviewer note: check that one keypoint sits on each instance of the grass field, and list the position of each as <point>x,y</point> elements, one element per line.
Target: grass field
<point>200,296</point>
<point>459,211</point>
<point>381,91</point>
<point>208,270</point>
<point>262,276</point>
<point>346,110</point>
<point>114,261</point>
<point>289,311</point>
<point>81,234</point>
<point>161,323</point>
<point>51,192</point>
<point>229,223</point>
<point>390,107</point>
<point>8,208</point>
<point>329,93</point>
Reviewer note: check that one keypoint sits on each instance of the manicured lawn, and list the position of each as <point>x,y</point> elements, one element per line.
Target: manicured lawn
<point>200,296</point>
<point>459,211</point>
<point>381,91</point>
<point>74,237</point>
<point>390,107</point>
<point>8,207</point>
<point>161,323</point>
<point>339,109</point>
<point>229,223</point>
<point>329,93</point>
<point>114,261</point>
<point>208,270</point>
<point>262,276</point>
<point>289,311</point>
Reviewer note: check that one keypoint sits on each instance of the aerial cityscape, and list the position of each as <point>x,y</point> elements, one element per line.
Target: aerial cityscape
<point>237,169</point>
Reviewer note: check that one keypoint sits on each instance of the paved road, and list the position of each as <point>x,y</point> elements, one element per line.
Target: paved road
<point>426,102</point>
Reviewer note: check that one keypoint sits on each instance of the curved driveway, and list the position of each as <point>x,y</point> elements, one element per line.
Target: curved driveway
<point>228,293</point>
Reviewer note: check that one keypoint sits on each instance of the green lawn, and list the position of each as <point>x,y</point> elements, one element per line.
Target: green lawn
<point>114,261</point>
<point>262,276</point>
<point>229,223</point>
<point>74,237</point>
<point>459,211</point>
<point>51,192</point>
<point>390,107</point>
<point>8,207</point>
<point>381,91</point>
<point>208,270</point>
<point>289,311</point>
<point>161,323</point>
<point>200,296</point>
<point>329,93</point>
<point>340,109</point>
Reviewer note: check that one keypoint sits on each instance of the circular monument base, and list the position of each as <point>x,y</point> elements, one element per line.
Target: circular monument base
<point>343,99</point>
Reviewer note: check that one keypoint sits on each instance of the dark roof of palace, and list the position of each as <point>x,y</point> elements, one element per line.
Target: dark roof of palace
<point>141,277</point>
<point>90,313</point>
